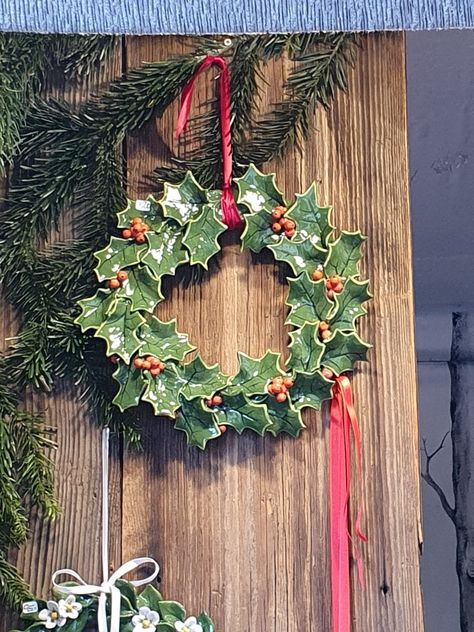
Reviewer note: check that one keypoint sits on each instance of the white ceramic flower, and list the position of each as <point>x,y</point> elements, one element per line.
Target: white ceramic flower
<point>190,625</point>
<point>145,620</point>
<point>51,616</point>
<point>69,608</point>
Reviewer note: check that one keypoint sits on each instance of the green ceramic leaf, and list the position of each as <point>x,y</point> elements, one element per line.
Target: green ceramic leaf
<point>171,611</point>
<point>147,210</point>
<point>165,627</point>
<point>75,625</point>
<point>284,417</point>
<point>308,301</point>
<point>349,305</point>
<point>301,256</point>
<point>200,380</point>
<point>310,390</point>
<point>255,373</point>
<point>163,341</point>
<point>119,330</point>
<point>343,350</point>
<point>132,385</point>
<point>344,255</point>
<point>128,592</point>
<point>312,221</point>
<point>196,420</point>
<point>149,597</point>
<point>141,288</point>
<point>162,391</point>
<point>95,309</point>
<point>202,233</point>
<point>183,202</point>
<point>164,251</point>
<point>258,232</point>
<point>206,622</point>
<point>258,191</point>
<point>119,254</point>
<point>240,413</point>
<point>306,349</point>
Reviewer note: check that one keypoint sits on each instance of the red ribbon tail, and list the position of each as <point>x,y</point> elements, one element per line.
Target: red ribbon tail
<point>230,214</point>
<point>343,419</point>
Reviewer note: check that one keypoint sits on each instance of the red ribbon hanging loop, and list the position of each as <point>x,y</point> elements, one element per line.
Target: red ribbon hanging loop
<point>343,419</point>
<point>230,214</point>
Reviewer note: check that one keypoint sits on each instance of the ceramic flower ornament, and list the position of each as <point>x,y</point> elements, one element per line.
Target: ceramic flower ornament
<point>190,625</point>
<point>146,620</point>
<point>51,616</point>
<point>69,608</point>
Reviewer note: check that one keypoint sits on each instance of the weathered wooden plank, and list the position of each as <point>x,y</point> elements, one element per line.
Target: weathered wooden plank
<point>73,541</point>
<point>242,529</point>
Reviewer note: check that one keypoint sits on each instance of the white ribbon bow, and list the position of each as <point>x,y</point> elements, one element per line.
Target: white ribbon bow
<point>108,586</point>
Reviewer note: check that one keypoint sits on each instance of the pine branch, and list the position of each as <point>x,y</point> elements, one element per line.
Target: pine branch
<point>314,81</point>
<point>13,589</point>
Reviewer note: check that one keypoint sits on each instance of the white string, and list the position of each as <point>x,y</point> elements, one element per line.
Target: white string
<point>105,503</point>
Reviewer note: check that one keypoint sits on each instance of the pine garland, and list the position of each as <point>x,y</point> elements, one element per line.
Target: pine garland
<point>68,159</point>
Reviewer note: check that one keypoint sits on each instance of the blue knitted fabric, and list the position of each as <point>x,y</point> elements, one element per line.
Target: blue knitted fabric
<point>231,16</point>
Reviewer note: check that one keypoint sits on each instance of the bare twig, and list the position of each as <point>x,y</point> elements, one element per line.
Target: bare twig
<point>426,475</point>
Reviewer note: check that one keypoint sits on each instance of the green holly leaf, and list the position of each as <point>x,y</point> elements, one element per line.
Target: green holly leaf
<point>200,380</point>
<point>164,251</point>
<point>95,309</point>
<point>132,385</point>
<point>206,622</point>
<point>162,391</point>
<point>147,210</point>
<point>142,289</point>
<point>258,192</point>
<point>161,339</point>
<point>308,301</point>
<point>344,255</point>
<point>149,597</point>
<point>343,350</point>
<point>312,221</point>
<point>183,202</point>
<point>258,232</point>
<point>349,304</point>
<point>309,391</point>
<point>119,330</point>
<point>119,254</point>
<point>197,421</point>
<point>240,413</point>
<point>165,627</point>
<point>306,350</point>
<point>301,256</point>
<point>172,611</point>
<point>202,233</point>
<point>284,417</point>
<point>255,373</point>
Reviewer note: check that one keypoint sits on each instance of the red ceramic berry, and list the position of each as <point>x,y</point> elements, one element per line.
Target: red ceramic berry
<point>276,227</point>
<point>328,374</point>
<point>217,400</point>
<point>126,233</point>
<point>138,363</point>
<point>281,397</point>
<point>122,276</point>
<point>114,284</point>
<point>317,275</point>
<point>223,428</point>
<point>140,238</point>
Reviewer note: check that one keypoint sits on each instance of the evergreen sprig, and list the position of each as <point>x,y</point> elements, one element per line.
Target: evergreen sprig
<point>71,161</point>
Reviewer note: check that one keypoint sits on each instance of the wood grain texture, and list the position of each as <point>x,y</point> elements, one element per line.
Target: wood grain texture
<point>242,529</point>
<point>73,541</point>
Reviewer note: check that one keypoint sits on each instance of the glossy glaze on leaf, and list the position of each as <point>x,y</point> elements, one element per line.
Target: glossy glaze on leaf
<point>258,192</point>
<point>301,256</point>
<point>162,340</point>
<point>344,255</point>
<point>131,386</point>
<point>200,380</point>
<point>309,391</point>
<point>343,350</point>
<point>164,251</point>
<point>183,202</point>
<point>307,300</point>
<point>141,288</point>
<point>195,419</point>
<point>312,221</point>
<point>202,233</point>
<point>94,310</point>
<point>284,417</point>
<point>306,349</point>
<point>119,330</point>
<point>255,374</point>
<point>162,391</point>
<point>241,413</point>
<point>258,233</point>
<point>147,210</point>
<point>349,305</point>
<point>119,254</point>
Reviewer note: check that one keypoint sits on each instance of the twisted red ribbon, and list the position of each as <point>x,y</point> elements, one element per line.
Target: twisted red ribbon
<point>230,214</point>
<point>343,419</point>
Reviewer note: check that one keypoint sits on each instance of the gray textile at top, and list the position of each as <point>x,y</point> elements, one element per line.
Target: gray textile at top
<point>231,16</point>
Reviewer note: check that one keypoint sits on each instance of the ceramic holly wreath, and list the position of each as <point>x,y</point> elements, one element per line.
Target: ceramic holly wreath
<point>325,299</point>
